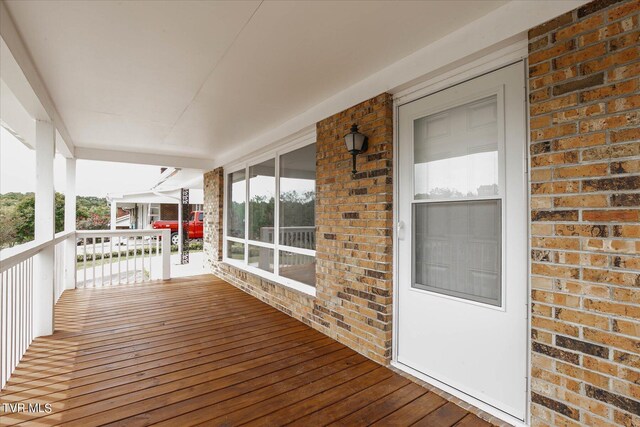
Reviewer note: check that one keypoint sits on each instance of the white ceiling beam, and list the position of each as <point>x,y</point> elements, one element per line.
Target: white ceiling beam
<point>143,158</point>
<point>15,118</point>
<point>11,36</point>
<point>63,148</point>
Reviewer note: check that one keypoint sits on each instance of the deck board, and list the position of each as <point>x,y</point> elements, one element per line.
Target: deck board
<point>199,351</point>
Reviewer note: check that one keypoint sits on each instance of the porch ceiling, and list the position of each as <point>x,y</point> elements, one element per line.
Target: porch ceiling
<point>199,78</point>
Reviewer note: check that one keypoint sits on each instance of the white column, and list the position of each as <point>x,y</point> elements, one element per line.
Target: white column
<point>114,214</point>
<point>166,254</point>
<point>70,225</point>
<point>44,230</point>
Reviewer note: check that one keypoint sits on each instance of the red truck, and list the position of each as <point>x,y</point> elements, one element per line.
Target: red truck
<point>195,228</point>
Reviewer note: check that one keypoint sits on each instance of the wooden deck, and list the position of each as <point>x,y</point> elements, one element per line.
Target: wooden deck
<point>199,351</point>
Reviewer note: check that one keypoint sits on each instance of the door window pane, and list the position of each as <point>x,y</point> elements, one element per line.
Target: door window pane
<point>262,190</point>
<point>236,189</point>
<point>235,250</point>
<point>298,197</point>
<point>456,152</point>
<point>457,249</point>
<point>261,258</point>
<point>298,267</point>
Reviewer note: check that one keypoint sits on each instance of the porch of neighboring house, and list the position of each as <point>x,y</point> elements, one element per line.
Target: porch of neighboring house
<point>138,210</point>
<point>200,351</point>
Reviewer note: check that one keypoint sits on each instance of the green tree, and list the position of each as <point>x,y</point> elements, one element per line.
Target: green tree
<point>25,218</point>
<point>17,216</point>
<point>59,212</point>
<point>8,228</point>
<point>261,211</point>
<point>297,209</point>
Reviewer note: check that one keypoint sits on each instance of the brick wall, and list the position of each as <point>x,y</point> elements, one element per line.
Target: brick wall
<point>354,218</point>
<point>585,207</point>
<point>213,204</point>
<point>168,211</point>
<point>353,232</point>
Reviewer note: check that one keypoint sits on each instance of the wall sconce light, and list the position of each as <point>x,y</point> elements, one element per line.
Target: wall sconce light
<point>356,144</point>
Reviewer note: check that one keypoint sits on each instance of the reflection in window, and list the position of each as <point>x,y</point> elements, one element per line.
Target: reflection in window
<point>237,190</point>
<point>456,152</point>
<point>298,267</point>
<point>235,250</point>
<point>298,197</point>
<point>262,190</point>
<point>261,257</point>
<point>457,249</point>
<point>292,254</point>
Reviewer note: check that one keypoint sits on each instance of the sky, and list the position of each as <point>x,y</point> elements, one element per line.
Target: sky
<point>17,172</point>
<point>464,174</point>
<point>265,186</point>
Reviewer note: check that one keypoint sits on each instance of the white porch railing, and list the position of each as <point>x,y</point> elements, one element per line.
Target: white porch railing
<point>16,300</point>
<point>107,258</point>
<point>59,272</point>
<point>303,237</point>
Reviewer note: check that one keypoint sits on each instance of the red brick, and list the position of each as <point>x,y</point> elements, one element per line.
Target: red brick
<point>624,104</point>
<point>581,26</point>
<point>554,104</point>
<point>580,56</point>
<point>622,120</point>
<point>552,52</point>
<point>609,61</point>
<point>591,201</point>
<point>579,141</point>
<point>551,25</point>
<point>600,169</point>
<point>622,88</point>
<point>608,31</point>
<point>612,215</point>
<point>624,72</point>
<point>627,8</point>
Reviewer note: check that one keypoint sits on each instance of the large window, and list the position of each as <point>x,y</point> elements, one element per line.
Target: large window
<point>270,217</point>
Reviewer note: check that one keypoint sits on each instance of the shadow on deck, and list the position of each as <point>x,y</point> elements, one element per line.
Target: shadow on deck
<point>199,351</point>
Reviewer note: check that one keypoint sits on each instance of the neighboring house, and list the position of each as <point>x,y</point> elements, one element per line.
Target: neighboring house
<point>138,210</point>
<point>140,216</point>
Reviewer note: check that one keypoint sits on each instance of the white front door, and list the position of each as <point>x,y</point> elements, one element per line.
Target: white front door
<point>462,249</point>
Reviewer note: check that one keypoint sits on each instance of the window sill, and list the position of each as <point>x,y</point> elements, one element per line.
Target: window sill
<point>302,288</point>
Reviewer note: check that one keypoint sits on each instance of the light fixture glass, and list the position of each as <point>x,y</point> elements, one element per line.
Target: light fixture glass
<point>356,143</point>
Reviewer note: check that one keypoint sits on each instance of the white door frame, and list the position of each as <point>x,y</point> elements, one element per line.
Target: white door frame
<point>515,52</point>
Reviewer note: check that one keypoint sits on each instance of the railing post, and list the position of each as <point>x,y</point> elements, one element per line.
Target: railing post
<point>43,284</point>
<point>70,224</point>
<point>166,254</point>
<point>114,215</point>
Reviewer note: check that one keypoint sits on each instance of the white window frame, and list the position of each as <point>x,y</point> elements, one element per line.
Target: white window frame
<point>244,265</point>
<point>498,92</point>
